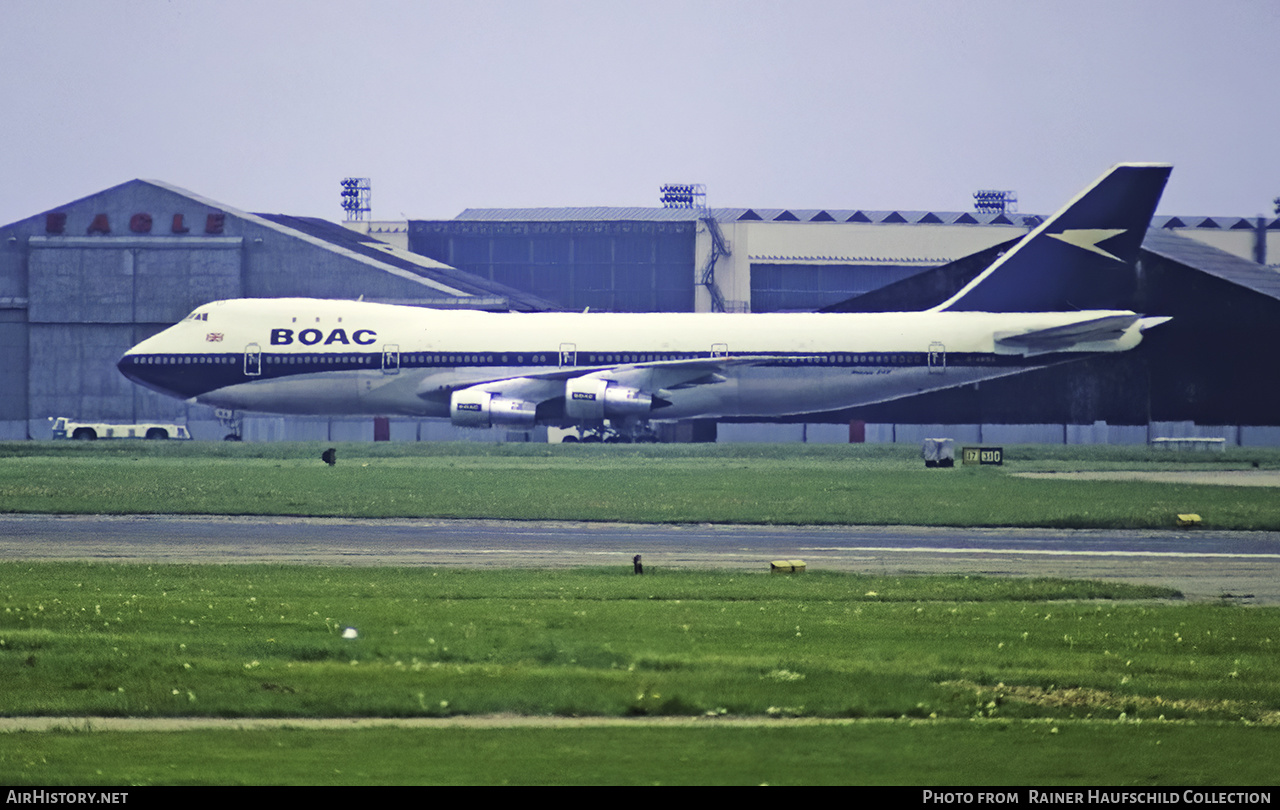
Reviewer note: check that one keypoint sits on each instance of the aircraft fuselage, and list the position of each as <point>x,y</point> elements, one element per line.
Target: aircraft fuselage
<point>480,369</point>
<point>343,357</point>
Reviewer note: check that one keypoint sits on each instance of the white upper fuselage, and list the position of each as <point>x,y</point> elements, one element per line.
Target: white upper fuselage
<point>347,357</point>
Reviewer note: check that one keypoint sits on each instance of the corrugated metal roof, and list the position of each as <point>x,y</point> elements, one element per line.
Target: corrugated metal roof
<point>656,214</point>
<point>468,283</point>
<point>348,238</point>
<point>812,259</point>
<point>877,217</point>
<point>643,214</point>
<point>1215,223</point>
<point>1215,262</point>
<point>587,214</point>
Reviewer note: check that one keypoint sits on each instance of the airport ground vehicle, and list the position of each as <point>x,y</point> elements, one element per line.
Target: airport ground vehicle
<point>67,428</point>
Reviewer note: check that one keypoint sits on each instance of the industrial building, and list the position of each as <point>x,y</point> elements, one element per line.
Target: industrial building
<point>81,283</point>
<point>1204,373</point>
<point>742,259</point>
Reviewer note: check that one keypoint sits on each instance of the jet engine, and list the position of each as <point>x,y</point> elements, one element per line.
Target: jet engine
<point>592,399</point>
<point>472,407</point>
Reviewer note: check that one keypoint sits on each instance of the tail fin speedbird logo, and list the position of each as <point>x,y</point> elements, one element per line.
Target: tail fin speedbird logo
<point>1088,238</point>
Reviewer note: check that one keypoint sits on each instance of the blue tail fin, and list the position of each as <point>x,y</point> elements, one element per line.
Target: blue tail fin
<point>1079,257</point>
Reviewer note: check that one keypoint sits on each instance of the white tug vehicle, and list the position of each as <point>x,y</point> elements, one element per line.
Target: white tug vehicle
<point>67,428</point>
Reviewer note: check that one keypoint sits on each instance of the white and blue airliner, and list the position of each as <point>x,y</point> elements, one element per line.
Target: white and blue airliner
<point>483,369</point>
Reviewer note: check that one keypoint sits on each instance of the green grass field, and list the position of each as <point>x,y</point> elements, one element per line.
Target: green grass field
<point>925,666</point>
<point>267,641</point>
<point>907,752</point>
<point>931,680</point>
<point>769,484</point>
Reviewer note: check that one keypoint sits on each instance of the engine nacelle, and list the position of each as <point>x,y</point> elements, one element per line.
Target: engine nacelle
<point>472,407</point>
<point>592,399</point>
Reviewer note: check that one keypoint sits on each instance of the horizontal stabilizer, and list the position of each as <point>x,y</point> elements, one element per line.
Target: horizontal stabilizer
<point>1058,338</point>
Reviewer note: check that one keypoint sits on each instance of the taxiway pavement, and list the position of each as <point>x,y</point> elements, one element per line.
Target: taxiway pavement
<point>1204,565</point>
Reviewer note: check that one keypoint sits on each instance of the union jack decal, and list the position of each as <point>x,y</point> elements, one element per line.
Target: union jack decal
<point>214,337</point>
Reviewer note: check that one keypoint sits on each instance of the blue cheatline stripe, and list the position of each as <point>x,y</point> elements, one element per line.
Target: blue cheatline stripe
<point>173,372</point>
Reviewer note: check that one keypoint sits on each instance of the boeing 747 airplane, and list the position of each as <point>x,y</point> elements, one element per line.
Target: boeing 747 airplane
<point>482,369</point>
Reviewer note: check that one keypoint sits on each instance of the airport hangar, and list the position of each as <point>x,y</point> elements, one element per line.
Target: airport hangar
<point>82,282</point>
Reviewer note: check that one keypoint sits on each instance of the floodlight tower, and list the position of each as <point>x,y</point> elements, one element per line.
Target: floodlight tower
<point>356,193</point>
<point>684,195</point>
<point>995,202</point>
<point>694,196</point>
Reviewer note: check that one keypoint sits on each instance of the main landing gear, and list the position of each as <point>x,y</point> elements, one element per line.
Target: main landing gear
<point>636,432</point>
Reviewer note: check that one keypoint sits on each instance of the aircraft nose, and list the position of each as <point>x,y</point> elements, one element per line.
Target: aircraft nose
<point>134,367</point>
<point>182,374</point>
<point>168,374</point>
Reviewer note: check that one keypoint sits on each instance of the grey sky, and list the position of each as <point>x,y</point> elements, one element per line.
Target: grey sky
<point>266,105</point>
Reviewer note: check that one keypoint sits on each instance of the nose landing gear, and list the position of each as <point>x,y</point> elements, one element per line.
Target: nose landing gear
<point>231,422</point>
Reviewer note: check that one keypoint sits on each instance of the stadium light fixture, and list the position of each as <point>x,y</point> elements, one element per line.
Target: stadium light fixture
<point>684,195</point>
<point>990,201</point>
<point>356,195</point>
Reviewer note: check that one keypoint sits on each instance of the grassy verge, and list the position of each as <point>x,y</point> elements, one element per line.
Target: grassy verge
<point>778,484</point>
<point>891,753</point>
<point>948,680</point>
<point>951,680</point>
<point>268,641</point>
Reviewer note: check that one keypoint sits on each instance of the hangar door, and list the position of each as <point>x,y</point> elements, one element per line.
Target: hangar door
<point>92,298</point>
<point>104,279</point>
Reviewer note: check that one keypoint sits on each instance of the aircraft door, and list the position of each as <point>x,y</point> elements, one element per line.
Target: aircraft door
<point>937,358</point>
<point>253,360</point>
<point>391,358</point>
<point>568,355</point>
<point>719,349</point>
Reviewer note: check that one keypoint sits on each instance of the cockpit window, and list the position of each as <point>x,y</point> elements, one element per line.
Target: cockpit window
<point>197,316</point>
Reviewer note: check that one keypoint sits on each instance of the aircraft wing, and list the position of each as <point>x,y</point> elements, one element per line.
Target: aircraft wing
<point>665,374</point>
<point>588,392</point>
<point>652,376</point>
<point>1060,338</point>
